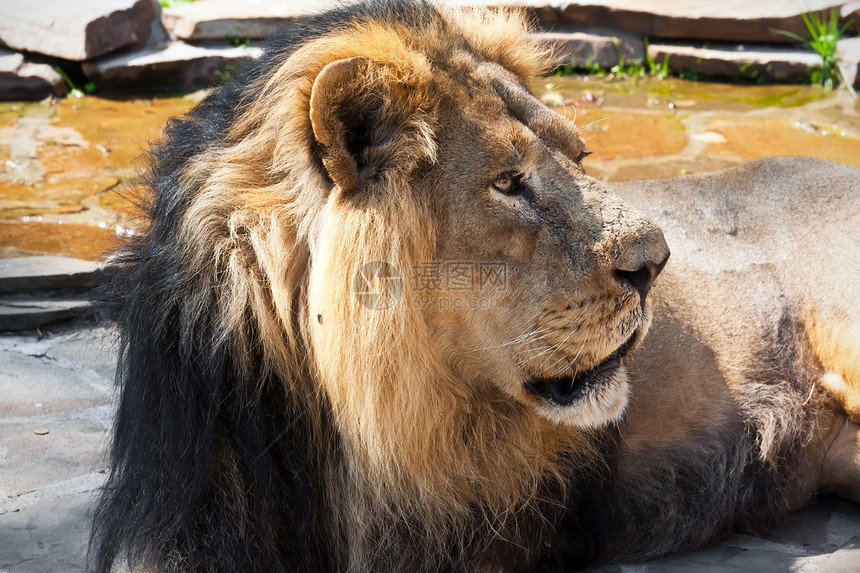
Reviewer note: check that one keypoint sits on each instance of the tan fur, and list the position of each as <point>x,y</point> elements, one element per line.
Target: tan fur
<point>837,346</point>
<point>761,287</point>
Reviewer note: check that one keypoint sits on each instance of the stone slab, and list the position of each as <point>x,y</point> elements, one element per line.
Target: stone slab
<point>737,62</point>
<point>48,537</point>
<point>62,382</point>
<point>27,313</point>
<point>78,30</point>
<point>845,560</point>
<point>47,482</point>
<point>31,274</point>
<point>850,13</point>
<point>23,80</point>
<point>584,48</point>
<point>175,64</point>
<point>849,56</point>
<point>74,445</point>
<point>222,19</point>
<point>41,387</point>
<point>738,21</point>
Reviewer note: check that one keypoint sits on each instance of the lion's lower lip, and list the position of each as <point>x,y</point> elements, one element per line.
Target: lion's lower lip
<point>564,390</point>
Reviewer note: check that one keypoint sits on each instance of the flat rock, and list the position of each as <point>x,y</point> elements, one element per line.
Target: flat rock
<point>849,55</point>
<point>175,64</point>
<point>223,19</point>
<point>844,560</point>
<point>850,13</point>
<point>72,447</point>
<point>584,48</point>
<point>31,274</point>
<point>23,80</point>
<point>27,313</point>
<point>739,21</point>
<point>78,30</point>
<point>753,63</point>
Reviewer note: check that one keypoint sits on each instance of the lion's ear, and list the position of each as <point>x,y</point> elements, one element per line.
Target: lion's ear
<point>363,117</point>
<point>330,97</point>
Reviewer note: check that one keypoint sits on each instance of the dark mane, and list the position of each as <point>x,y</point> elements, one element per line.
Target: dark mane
<point>195,447</point>
<point>215,465</point>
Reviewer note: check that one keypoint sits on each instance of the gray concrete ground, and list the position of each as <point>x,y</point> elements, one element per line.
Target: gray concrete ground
<point>61,381</point>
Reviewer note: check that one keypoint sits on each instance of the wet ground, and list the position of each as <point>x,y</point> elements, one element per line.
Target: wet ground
<point>67,167</point>
<point>68,171</point>
<point>651,128</point>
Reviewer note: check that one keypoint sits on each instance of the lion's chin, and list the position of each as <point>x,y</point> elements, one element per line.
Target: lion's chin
<point>588,399</point>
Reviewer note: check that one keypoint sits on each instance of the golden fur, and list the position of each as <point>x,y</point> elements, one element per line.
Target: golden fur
<point>263,211</point>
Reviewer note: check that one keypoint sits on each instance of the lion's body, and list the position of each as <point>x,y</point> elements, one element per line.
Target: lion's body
<point>278,413</point>
<point>762,254</point>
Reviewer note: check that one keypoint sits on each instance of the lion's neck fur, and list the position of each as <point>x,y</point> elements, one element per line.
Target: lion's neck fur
<point>420,443</point>
<point>420,438</point>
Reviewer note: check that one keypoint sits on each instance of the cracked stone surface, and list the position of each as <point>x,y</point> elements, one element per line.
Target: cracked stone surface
<point>62,382</point>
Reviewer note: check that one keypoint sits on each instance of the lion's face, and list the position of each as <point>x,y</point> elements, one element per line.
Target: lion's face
<point>527,276</point>
<point>560,266</point>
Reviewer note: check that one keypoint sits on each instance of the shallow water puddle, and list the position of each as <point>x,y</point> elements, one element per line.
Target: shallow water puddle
<point>68,169</point>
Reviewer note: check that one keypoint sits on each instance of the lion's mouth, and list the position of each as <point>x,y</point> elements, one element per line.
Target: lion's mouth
<point>564,390</point>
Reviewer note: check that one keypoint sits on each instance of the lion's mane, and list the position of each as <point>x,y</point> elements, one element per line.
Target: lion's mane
<point>229,453</point>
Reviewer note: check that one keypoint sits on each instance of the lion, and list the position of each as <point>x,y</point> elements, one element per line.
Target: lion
<point>380,318</point>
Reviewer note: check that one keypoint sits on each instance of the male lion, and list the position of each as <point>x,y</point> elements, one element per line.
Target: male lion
<point>381,319</point>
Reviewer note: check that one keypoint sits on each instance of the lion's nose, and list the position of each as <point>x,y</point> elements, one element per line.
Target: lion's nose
<point>643,277</point>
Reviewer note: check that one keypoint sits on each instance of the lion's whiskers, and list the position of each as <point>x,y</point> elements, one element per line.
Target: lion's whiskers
<point>558,348</point>
<point>547,351</point>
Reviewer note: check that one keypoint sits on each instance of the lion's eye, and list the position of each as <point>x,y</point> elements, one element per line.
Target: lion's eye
<point>582,155</point>
<point>507,183</point>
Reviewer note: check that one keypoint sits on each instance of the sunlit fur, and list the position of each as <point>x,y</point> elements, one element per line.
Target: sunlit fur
<point>397,409</point>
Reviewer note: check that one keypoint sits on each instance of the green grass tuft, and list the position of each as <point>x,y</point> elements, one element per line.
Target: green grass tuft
<point>174,3</point>
<point>824,33</point>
